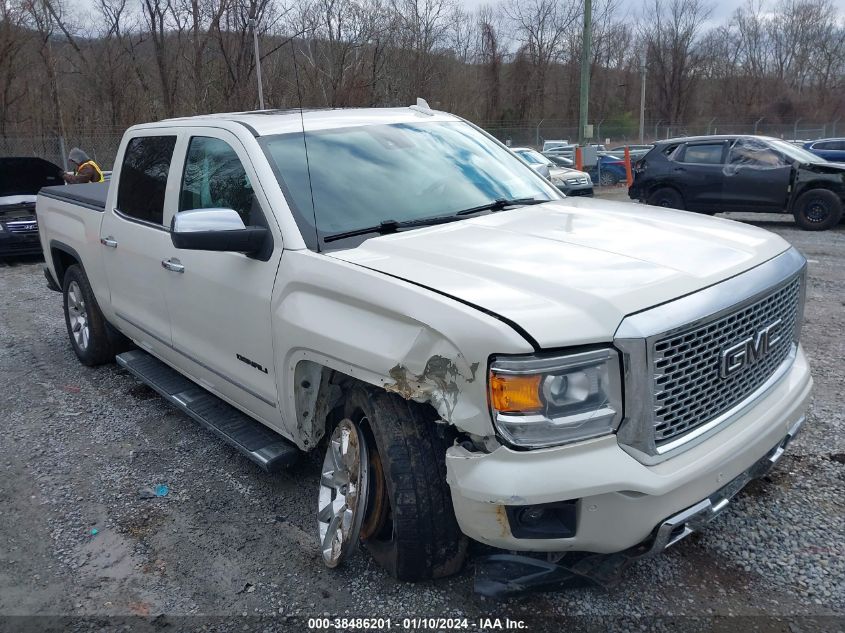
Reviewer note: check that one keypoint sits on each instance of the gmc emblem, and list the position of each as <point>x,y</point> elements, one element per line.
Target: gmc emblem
<point>747,352</point>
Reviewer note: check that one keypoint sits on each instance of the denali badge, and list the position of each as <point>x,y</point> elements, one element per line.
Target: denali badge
<point>749,351</point>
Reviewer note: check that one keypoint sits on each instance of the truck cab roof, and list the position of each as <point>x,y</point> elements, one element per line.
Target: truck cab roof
<point>269,122</point>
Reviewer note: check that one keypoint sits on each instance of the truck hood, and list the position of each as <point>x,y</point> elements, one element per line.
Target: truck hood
<point>569,271</point>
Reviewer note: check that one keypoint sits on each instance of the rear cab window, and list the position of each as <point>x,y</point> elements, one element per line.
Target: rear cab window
<point>143,178</point>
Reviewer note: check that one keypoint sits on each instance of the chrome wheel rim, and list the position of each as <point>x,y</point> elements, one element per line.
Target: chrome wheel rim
<point>78,316</point>
<point>342,502</point>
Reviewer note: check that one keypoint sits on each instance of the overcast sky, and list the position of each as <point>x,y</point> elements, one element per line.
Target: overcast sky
<point>722,9</point>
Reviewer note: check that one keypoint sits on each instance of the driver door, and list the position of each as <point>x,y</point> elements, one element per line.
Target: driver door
<point>757,177</point>
<point>219,302</point>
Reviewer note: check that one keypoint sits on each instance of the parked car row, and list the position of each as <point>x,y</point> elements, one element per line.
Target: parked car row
<point>569,180</point>
<point>711,174</point>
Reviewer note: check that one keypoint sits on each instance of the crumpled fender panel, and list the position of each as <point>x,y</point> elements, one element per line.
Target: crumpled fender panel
<point>386,332</point>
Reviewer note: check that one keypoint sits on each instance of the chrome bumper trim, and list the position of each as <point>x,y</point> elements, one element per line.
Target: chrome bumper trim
<point>685,522</point>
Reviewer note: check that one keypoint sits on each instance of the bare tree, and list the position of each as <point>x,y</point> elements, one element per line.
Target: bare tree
<point>541,28</point>
<point>670,30</point>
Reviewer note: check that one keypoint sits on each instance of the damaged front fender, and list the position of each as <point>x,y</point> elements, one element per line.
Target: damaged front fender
<point>439,382</point>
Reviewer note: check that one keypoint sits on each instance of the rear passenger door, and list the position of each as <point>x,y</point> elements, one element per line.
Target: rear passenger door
<point>219,302</point>
<point>757,177</point>
<point>697,171</point>
<point>134,239</point>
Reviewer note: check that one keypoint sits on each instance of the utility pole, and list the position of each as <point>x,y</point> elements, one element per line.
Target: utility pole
<point>586,56</point>
<point>253,22</point>
<point>642,100</point>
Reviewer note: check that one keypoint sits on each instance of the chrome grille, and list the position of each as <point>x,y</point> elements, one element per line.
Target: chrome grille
<point>688,390</point>
<point>22,226</point>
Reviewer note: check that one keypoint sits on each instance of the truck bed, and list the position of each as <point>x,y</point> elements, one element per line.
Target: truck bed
<point>89,195</point>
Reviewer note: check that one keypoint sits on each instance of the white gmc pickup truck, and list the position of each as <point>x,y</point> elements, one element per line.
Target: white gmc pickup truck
<point>474,354</point>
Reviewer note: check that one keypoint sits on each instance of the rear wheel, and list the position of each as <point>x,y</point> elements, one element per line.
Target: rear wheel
<point>408,525</point>
<point>666,197</point>
<point>818,210</point>
<point>86,326</point>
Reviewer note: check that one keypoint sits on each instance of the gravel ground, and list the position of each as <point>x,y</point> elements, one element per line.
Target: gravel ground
<point>76,540</point>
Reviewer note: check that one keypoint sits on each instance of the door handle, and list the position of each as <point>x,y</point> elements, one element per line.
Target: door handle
<point>108,241</point>
<point>173,265</point>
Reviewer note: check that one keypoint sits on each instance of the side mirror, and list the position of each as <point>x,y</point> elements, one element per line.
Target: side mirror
<point>215,230</point>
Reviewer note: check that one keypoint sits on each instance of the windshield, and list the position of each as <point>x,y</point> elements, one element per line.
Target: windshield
<point>796,153</point>
<point>364,175</point>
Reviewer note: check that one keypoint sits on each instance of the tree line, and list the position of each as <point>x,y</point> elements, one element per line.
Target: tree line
<point>107,64</point>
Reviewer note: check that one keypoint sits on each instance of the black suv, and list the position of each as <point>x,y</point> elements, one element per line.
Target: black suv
<point>710,174</point>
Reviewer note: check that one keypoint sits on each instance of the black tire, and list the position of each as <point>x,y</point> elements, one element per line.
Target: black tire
<point>415,537</point>
<point>666,197</point>
<point>817,210</point>
<point>98,349</point>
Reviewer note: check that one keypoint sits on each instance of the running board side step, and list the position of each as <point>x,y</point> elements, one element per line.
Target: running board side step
<point>258,443</point>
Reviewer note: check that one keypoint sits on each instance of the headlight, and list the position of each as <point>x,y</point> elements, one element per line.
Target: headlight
<point>541,401</point>
<point>557,180</point>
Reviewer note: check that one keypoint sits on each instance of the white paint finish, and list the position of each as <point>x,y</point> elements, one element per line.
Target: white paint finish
<point>364,324</point>
<point>219,307</point>
<point>570,271</point>
<point>78,228</point>
<point>602,475</point>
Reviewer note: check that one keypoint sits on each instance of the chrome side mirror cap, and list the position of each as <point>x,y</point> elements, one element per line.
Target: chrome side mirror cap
<point>198,220</point>
<point>218,230</point>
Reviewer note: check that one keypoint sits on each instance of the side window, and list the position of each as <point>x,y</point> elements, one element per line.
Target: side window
<point>143,177</point>
<point>706,154</point>
<point>672,151</point>
<point>214,178</point>
<point>749,152</point>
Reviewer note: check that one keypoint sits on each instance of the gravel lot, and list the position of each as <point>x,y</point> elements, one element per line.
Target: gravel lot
<point>77,445</point>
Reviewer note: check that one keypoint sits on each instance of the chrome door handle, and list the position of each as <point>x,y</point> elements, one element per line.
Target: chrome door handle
<point>173,265</point>
<point>108,241</point>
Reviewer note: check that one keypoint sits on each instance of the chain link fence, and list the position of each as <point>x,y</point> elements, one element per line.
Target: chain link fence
<point>101,146</point>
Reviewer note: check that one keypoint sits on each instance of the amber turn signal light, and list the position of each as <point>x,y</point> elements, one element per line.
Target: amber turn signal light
<point>515,393</point>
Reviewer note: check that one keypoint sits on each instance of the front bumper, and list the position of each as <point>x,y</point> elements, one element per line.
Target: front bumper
<point>620,500</point>
<point>577,190</point>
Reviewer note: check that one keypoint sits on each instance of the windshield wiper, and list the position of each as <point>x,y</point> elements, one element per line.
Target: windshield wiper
<point>500,203</point>
<point>392,226</point>
<point>389,226</point>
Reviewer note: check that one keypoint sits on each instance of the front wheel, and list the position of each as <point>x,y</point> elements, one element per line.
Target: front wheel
<point>86,326</point>
<point>404,511</point>
<point>818,210</point>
